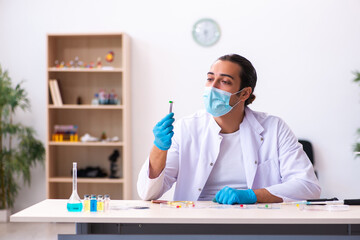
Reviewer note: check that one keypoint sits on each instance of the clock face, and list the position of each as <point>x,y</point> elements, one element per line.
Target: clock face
<point>206,32</point>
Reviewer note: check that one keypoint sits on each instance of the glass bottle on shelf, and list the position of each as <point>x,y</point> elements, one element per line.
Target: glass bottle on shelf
<point>95,100</point>
<point>102,97</point>
<point>112,97</point>
<point>116,99</point>
<point>74,203</point>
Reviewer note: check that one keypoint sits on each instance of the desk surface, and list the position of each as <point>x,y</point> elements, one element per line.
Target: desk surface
<point>52,210</point>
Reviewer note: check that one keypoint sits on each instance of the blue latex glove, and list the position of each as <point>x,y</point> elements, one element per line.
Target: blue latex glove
<point>229,195</point>
<point>163,132</point>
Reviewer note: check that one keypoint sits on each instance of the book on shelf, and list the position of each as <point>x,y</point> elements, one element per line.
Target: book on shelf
<point>52,93</point>
<point>55,92</point>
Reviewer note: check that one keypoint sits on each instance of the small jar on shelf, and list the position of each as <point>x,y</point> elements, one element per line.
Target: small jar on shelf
<point>95,100</point>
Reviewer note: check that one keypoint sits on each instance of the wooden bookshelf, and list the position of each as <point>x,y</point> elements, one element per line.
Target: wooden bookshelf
<point>82,83</point>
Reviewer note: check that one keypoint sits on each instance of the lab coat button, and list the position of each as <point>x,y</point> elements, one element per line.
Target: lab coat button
<point>199,189</point>
<point>262,139</point>
<point>255,162</point>
<point>211,164</point>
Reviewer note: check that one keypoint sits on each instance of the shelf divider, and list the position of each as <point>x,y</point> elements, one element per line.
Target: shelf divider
<point>114,70</point>
<point>87,144</point>
<point>85,180</point>
<point>87,106</point>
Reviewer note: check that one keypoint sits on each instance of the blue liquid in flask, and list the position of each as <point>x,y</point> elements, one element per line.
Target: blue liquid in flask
<point>74,207</point>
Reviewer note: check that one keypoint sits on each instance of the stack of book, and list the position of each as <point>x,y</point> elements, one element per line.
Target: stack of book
<point>55,92</point>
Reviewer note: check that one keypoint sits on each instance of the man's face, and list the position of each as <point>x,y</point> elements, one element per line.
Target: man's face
<point>224,75</point>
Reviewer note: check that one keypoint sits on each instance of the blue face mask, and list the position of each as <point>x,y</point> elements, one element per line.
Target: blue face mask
<point>217,101</point>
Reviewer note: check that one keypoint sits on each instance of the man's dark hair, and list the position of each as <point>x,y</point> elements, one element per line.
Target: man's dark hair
<point>248,75</point>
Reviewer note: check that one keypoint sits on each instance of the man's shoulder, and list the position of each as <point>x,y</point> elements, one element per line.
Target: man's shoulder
<point>265,118</point>
<point>197,118</point>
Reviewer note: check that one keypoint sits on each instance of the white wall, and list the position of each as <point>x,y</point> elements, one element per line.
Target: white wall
<point>304,52</point>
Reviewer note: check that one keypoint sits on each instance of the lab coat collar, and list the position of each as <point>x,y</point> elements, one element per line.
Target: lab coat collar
<point>214,125</point>
<point>252,120</point>
<point>249,116</point>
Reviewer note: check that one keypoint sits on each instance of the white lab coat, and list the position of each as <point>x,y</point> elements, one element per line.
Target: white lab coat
<point>273,159</point>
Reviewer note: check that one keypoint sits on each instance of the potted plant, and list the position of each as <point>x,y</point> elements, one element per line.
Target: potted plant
<point>357,144</point>
<point>19,149</point>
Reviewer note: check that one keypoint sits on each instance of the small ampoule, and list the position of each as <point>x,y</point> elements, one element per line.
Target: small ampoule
<point>93,203</point>
<point>100,203</point>
<point>107,202</point>
<point>86,203</point>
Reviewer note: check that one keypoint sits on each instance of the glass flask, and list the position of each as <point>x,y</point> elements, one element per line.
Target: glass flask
<point>74,203</point>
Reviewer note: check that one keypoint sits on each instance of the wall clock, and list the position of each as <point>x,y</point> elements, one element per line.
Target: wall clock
<point>206,32</point>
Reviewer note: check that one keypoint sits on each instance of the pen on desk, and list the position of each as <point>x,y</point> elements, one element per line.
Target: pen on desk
<point>334,201</point>
<point>325,203</point>
<point>318,201</point>
<point>323,199</point>
<point>159,201</point>
<point>352,201</point>
<point>171,104</point>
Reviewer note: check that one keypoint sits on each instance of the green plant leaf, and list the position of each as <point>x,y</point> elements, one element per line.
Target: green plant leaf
<point>19,149</point>
<point>357,76</point>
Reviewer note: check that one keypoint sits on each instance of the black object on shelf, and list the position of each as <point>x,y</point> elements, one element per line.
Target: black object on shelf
<point>113,166</point>
<point>91,172</point>
<point>79,100</point>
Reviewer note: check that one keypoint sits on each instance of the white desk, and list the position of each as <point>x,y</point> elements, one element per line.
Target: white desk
<point>201,223</point>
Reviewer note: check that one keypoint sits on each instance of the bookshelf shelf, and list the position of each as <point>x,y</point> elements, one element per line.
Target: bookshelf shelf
<point>69,102</point>
<point>85,70</point>
<point>86,106</point>
<point>87,144</point>
<point>86,180</point>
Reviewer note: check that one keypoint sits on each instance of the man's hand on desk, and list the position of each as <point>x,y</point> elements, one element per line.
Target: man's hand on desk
<point>229,195</point>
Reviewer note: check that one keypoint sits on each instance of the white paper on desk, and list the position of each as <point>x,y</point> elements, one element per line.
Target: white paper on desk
<point>119,207</point>
<point>200,204</point>
<point>127,207</point>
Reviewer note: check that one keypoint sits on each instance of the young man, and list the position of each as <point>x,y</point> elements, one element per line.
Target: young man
<point>228,153</point>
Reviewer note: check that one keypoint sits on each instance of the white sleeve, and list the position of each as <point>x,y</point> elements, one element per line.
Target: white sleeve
<point>149,189</point>
<point>297,173</point>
